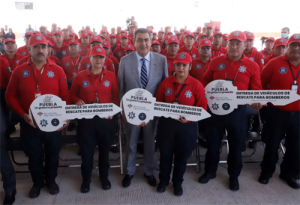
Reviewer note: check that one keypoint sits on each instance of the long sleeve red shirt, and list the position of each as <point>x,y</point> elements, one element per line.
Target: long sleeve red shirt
<point>199,68</point>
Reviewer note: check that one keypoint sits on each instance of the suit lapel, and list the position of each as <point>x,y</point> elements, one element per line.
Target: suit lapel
<point>134,68</point>
<point>151,69</point>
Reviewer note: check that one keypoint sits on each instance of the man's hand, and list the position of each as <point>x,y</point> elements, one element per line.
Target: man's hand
<point>28,119</point>
<point>80,103</point>
<point>65,125</point>
<point>182,119</point>
<point>108,118</point>
<point>257,106</point>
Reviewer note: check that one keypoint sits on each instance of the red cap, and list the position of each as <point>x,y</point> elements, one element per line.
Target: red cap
<point>65,29</point>
<point>199,28</point>
<point>88,27</point>
<point>205,42</point>
<point>129,47</point>
<point>132,26</point>
<point>97,51</point>
<point>123,32</point>
<point>182,58</point>
<point>168,26</point>
<point>169,33</point>
<point>178,33</point>
<point>91,33</point>
<point>166,38</point>
<point>182,29</point>
<point>51,33</point>
<point>36,33</point>
<point>72,34</point>
<point>50,43</point>
<point>172,39</point>
<point>250,35</point>
<point>161,31</point>
<point>294,38</point>
<point>154,33</point>
<point>119,27</point>
<point>238,35</point>
<point>270,39</point>
<point>96,39</point>
<point>150,30</point>
<point>202,34</point>
<point>84,34</point>
<point>58,33</point>
<point>112,35</point>
<point>103,31</point>
<point>9,40</point>
<point>225,36</point>
<point>28,34</point>
<point>280,42</point>
<point>217,33</point>
<point>69,26</point>
<point>73,42</point>
<point>208,26</point>
<point>106,44</point>
<point>189,34</point>
<point>43,27</point>
<point>54,24</point>
<point>124,35</point>
<point>36,40</point>
<point>155,42</point>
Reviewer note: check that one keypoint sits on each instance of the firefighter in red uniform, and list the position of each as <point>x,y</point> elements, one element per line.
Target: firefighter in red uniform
<point>84,46</point>
<point>243,73</point>
<point>154,34</point>
<point>24,49</point>
<point>172,50</point>
<point>217,49</point>
<point>131,34</point>
<point>155,47</point>
<point>224,40</point>
<point>43,31</point>
<point>128,49</point>
<point>178,137</point>
<point>200,64</point>
<point>189,48</point>
<point>108,54</point>
<point>37,77</point>
<point>209,32</point>
<point>282,122</point>
<point>252,53</point>
<point>269,42</point>
<point>278,49</point>
<point>95,85</point>
<point>119,51</point>
<point>11,55</point>
<point>66,35</point>
<point>50,55</point>
<point>179,36</point>
<point>161,36</point>
<point>60,49</point>
<point>113,41</point>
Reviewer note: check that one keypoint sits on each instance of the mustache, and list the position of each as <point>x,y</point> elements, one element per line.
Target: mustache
<point>40,54</point>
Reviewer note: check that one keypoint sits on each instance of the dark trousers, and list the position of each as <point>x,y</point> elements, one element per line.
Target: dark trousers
<point>178,139</point>
<point>7,169</point>
<point>94,132</point>
<point>39,145</point>
<point>281,124</point>
<point>236,125</point>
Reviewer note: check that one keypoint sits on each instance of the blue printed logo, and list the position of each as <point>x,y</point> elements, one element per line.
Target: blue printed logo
<point>85,84</point>
<point>226,106</point>
<point>25,73</point>
<point>198,66</point>
<point>283,70</point>
<point>169,91</point>
<point>221,66</point>
<point>55,122</point>
<point>142,116</point>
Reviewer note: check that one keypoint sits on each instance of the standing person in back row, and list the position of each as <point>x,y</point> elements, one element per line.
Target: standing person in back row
<point>141,69</point>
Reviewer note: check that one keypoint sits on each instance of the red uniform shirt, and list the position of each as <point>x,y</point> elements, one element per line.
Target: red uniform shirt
<point>118,53</point>
<point>70,66</point>
<point>86,85</point>
<point>26,58</point>
<point>130,38</point>
<point>265,54</point>
<point>13,62</point>
<point>84,51</point>
<point>218,52</point>
<point>193,52</point>
<point>85,64</point>
<point>22,86</point>
<point>192,94</point>
<point>62,52</point>
<point>257,57</point>
<point>55,60</point>
<point>23,51</point>
<point>267,59</point>
<point>277,76</point>
<point>170,65</point>
<point>5,72</point>
<point>244,72</point>
<point>199,68</point>
<point>115,63</point>
<point>66,41</point>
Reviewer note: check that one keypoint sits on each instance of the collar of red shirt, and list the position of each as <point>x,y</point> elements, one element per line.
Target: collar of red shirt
<point>168,57</point>
<point>174,80</point>
<point>241,59</point>
<point>88,72</point>
<point>199,59</point>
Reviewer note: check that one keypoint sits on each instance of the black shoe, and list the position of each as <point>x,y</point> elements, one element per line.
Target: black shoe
<point>85,187</point>
<point>263,179</point>
<point>206,177</point>
<point>106,185</point>
<point>251,144</point>
<point>290,181</point>
<point>178,190</point>
<point>127,180</point>
<point>35,190</point>
<point>161,187</point>
<point>9,197</point>
<point>151,180</point>
<point>234,184</point>
<point>53,188</point>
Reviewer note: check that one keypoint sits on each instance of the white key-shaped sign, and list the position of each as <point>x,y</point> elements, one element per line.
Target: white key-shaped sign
<point>223,97</point>
<point>140,106</point>
<point>49,112</point>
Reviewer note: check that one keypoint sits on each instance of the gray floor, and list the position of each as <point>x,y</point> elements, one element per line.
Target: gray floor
<point>216,191</point>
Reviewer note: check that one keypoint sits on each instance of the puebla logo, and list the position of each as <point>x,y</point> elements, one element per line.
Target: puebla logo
<point>169,91</point>
<point>283,70</point>
<point>221,66</point>
<point>25,73</point>
<point>85,84</point>
<point>198,66</point>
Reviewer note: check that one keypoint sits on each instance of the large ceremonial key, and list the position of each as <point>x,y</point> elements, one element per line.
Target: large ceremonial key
<point>140,106</point>
<point>223,97</point>
<point>49,112</point>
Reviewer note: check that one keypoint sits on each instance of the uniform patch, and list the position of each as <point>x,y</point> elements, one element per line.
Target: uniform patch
<point>79,65</point>
<point>67,64</point>
<point>80,50</point>
<point>221,66</point>
<point>106,83</point>
<point>17,61</point>
<point>194,56</point>
<point>251,58</point>
<point>50,74</point>
<point>226,106</point>
<point>142,116</point>
<point>283,70</point>
<point>211,54</point>
<point>188,94</point>
<point>24,53</point>
<point>85,84</point>
<point>120,54</point>
<point>181,56</point>
<point>25,73</point>
<point>87,66</point>
<point>242,69</point>
<point>64,52</point>
<point>198,66</point>
<point>98,49</point>
<point>221,54</point>
<point>54,52</point>
<point>264,56</point>
<point>262,61</point>
<point>168,91</point>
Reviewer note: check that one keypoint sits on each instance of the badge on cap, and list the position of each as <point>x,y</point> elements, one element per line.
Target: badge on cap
<point>105,43</point>
<point>206,41</point>
<point>96,37</point>
<point>129,46</point>
<point>236,33</point>
<point>248,34</point>
<point>173,39</point>
<point>99,49</point>
<point>181,56</point>
<point>297,36</point>
<point>281,40</point>
<point>38,38</point>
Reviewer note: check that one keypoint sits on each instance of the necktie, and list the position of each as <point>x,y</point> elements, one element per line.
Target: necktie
<point>144,79</point>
